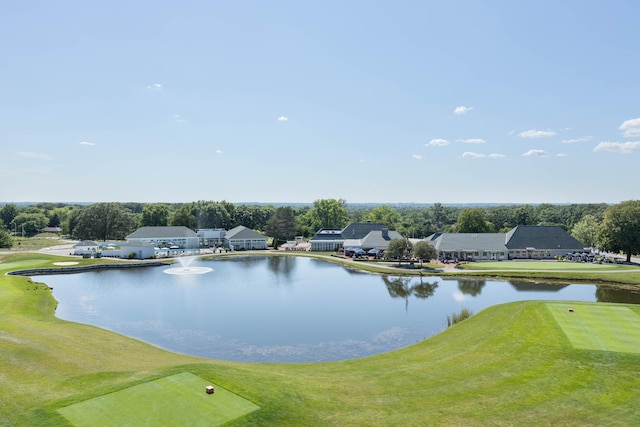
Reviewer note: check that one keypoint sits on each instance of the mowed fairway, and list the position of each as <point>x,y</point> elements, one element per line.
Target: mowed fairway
<point>599,327</point>
<point>178,399</point>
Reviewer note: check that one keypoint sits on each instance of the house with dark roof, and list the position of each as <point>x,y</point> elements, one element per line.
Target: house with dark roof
<point>361,235</point>
<point>243,238</point>
<point>522,242</point>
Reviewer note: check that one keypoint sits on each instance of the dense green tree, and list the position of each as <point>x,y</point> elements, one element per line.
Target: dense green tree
<point>282,225</point>
<point>473,220</point>
<point>620,229</point>
<point>384,214</point>
<point>424,251</point>
<point>329,213</point>
<point>210,214</point>
<point>30,223</point>
<point>184,215</point>
<point>398,249</point>
<point>8,213</point>
<point>5,239</point>
<point>586,230</point>
<point>155,215</point>
<point>104,221</point>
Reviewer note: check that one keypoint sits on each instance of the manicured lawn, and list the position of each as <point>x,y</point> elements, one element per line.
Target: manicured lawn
<point>178,399</point>
<point>599,327</point>
<point>546,266</point>
<point>511,364</point>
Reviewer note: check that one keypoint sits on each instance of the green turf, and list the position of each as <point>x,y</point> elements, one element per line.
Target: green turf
<point>178,399</point>
<point>599,327</point>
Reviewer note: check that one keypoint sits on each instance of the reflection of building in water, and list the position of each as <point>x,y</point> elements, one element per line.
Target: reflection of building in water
<point>524,286</point>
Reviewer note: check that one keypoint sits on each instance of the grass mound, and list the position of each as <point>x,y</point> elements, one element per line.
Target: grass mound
<point>178,399</point>
<point>599,327</point>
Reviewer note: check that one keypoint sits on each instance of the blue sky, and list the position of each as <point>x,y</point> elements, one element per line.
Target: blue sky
<point>293,101</point>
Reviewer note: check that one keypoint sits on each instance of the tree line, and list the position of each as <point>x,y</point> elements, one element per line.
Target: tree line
<point>592,224</point>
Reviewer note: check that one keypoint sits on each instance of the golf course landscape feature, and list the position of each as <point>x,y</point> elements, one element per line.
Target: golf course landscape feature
<point>599,327</point>
<point>509,364</point>
<point>178,399</point>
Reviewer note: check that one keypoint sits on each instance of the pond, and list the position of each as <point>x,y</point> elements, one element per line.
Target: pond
<point>285,309</point>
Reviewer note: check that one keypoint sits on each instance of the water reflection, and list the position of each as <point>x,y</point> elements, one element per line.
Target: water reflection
<point>403,287</point>
<point>610,294</point>
<point>287,309</point>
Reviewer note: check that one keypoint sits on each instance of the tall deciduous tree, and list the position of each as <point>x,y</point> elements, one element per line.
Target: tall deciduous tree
<point>282,225</point>
<point>155,215</point>
<point>620,229</point>
<point>185,216</point>
<point>473,220</point>
<point>386,215</point>
<point>5,239</point>
<point>586,230</point>
<point>398,249</point>
<point>329,213</point>
<point>424,251</point>
<point>30,223</point>
<point>104,221</point>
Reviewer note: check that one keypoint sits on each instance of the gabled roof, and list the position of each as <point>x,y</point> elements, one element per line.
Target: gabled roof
<point>358,230</point>
<point>541,237</point>
<point>244,233</point>
<point>162,233</point>
<point>452,242</point>
<point>328,234</point>
<point>376,239</point>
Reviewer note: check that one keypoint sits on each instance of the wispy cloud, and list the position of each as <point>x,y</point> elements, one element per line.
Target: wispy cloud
<point>417,156</point>
<point>562,155</point>
<point>534,133</point>
<point>178,118</point>
<point>461,109</point>
<point>282,119</point>
<point>32,155</point>
<point>437,142</point>
<point>87,143</point>
<point>530,153</point>
<point>618,147</point>
<point>218,151</point>
<point>472,155</point>
<point>155,87</point>
<point>630,128</point>
<point>574,140</point>
<point>472,140</point>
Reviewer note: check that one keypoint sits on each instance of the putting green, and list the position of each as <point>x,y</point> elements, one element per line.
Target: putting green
<point>175,400</point>
<point>599,327</point>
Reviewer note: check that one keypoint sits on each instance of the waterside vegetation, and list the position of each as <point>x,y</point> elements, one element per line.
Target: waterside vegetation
<point>510,364</point>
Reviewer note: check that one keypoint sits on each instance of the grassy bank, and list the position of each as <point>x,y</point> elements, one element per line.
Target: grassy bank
<point>508,365</point>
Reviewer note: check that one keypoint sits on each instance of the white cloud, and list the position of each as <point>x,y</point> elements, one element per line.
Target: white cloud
<point>534,133</point>
<point>618,147</point>
<point>437,142</point>
<point>282,118</point>
<point>574,140</point>
<point>541,153</point>
<point>218,151</point>
<point>472,140</point>
<point>417,156</point>
<point>562,155</point>
<point>461,109</point>
<point>630,128</point>
<point>87,143</point>
<point>155,87</point>
<point>471,155</point>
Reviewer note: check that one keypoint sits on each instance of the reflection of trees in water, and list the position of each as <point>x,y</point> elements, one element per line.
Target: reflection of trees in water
<point>246,261</point>
<point>471,287</point>
<point>611,294</point>
<point>401,287</point>
<point>526,286</point>
<point>281,265</point>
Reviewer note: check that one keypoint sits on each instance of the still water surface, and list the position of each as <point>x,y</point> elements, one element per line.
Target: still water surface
<point>283,309</point>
